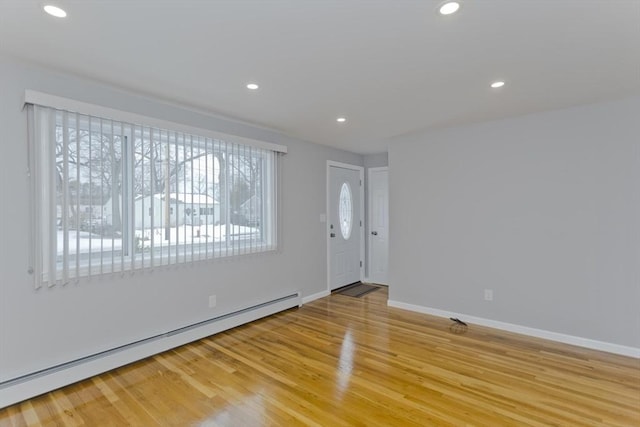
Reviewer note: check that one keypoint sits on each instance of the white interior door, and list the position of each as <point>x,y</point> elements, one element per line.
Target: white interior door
<point>344,225</point>
<point>378,224</point>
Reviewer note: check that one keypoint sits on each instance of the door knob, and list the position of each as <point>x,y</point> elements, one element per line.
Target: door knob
<point>374,233</point>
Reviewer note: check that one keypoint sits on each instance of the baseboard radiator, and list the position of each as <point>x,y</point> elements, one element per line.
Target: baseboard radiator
<point>34,384</point>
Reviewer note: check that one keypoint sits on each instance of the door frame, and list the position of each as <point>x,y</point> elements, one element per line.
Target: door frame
<point>370,209</point>
<point>360,170</point>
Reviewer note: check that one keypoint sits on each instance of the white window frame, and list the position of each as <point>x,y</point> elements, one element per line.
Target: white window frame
<point>44,250</point>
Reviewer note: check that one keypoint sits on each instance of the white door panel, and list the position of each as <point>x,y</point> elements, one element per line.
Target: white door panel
<point>344,221</point>
<point>379,225</point>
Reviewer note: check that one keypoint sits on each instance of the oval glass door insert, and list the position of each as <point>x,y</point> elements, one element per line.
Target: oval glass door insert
<point>345,211</point>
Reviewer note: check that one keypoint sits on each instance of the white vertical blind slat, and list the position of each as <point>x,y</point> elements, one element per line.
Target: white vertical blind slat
<point>177,162</point>
<point>152,192</point>
<point>133,162</point>
<point>52,220</point>
<point>249,247</point>
<point>232,171</point>
<point>77,222</point>
<point>191,191</point>
<point>184,191</point>
<point>227,198</point>
<point>243,249</point>
<point>124,211</point>
<point>90,173</point>
<point>166,200</point>
<point>100,144</point>
<point>143,211</point>
<point>33,177</point>
<point>113,184</point>
<point>206,192</point>
<point>167,183</point>
<point>65,198</point>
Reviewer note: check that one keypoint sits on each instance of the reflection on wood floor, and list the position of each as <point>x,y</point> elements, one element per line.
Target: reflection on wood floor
<point>347,361</point>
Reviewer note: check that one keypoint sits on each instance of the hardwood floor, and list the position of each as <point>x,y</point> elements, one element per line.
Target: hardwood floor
<point>347,361</point>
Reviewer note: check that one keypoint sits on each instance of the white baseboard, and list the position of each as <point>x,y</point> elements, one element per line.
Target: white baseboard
<point>19,390</point>
<point>315,296</point>
<point>524,330</point>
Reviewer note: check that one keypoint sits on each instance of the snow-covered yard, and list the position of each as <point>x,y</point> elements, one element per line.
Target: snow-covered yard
<point>87,242</point>
<point>187,234</point>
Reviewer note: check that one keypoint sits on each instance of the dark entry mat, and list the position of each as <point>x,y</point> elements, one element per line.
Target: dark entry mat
<point>357,289</point>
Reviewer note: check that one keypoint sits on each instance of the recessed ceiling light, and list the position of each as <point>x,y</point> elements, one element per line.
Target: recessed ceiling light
<point>252,86</point>
<point>497,84</point>
<point>55,11</point>
<point>449,7</point>
<point>341,119</point>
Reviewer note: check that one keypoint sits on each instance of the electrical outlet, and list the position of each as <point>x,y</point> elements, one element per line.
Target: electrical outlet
<point>212,301</point>
<point>488,294</point>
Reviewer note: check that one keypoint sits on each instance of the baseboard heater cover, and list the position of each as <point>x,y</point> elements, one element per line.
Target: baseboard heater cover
<point>34,384</point>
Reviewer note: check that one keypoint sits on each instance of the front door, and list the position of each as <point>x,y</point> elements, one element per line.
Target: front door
<point>344,225</point>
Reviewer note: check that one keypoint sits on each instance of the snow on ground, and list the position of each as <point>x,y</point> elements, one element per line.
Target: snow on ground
<point>184,234</point>
<point>87,242</point>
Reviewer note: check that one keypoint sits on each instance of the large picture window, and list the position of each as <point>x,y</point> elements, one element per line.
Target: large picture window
<point>112,196</point>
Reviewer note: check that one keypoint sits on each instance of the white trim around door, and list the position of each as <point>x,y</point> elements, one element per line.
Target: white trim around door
<point>359,221</point>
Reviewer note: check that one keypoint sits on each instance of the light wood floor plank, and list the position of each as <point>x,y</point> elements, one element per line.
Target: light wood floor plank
<point>352,362</point>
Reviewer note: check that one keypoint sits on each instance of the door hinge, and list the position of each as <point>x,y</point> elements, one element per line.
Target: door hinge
<point>360,183</point>
<point>360,263</point>
<point>360,223</point>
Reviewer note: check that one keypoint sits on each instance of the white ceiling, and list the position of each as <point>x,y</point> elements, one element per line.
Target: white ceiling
<point>390,66</point>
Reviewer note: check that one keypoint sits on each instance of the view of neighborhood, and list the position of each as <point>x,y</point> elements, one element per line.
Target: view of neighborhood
<point>133,190</point>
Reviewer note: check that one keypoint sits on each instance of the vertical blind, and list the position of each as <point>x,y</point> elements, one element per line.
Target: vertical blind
<point>112,196</point>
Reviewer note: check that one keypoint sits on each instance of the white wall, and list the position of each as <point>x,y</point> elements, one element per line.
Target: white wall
<point>42,328</point>
<point>376,160</point>
<point>544,209</point>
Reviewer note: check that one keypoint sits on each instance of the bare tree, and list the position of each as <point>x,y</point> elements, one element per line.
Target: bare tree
<point>95,172</point>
